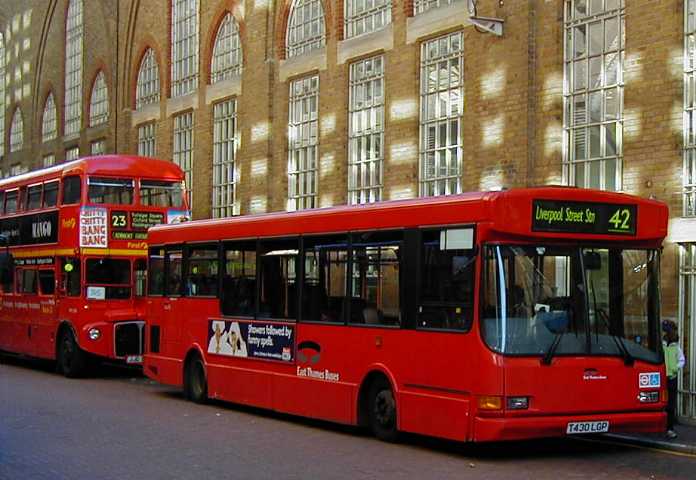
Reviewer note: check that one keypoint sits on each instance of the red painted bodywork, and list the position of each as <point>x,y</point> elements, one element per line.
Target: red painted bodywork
<point>29,323</point>
<point>437,376</point>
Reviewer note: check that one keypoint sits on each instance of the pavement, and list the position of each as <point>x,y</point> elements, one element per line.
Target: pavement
<point>684,443</point>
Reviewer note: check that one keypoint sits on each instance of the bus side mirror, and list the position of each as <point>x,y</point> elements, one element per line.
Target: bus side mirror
<point>6,267</point>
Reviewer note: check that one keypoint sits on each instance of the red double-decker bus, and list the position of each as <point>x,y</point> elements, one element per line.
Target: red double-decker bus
<point>74,256</point>
<point>476,317</point>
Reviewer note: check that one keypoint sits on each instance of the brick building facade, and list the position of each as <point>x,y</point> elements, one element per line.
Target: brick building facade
<point>284,104</point>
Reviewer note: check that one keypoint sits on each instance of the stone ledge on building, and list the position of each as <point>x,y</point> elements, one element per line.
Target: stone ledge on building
<point>381,40</point>
<point>436,20</point>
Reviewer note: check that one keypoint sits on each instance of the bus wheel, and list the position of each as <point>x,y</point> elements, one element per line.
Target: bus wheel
<point>196,386</point>
<point>382,411</point>
<point>72,361</point>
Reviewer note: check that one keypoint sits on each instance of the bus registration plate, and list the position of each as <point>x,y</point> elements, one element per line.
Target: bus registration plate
<point>134,359</point>
<point>587,427</point>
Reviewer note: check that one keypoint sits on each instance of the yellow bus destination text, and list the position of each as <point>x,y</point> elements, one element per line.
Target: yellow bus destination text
<point>564,215</point>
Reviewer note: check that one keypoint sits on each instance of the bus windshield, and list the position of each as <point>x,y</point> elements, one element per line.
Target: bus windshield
<point>117,191</point>
<point>108,278</point>
<point>546,300</point>
<point>157,193</point>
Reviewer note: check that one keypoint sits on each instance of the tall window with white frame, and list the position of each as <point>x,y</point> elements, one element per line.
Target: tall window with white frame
<point>17,131</point>
<point>99,102</point>
<point>146,139</point>
<point>689,175</point>
<point>72,111</point>
<point>49,127</point>
<point>593,93</point>
<point>49,160</point>
<point>98,147</point>
<point>224,154</point>
<point>183,149</point>
<point>227,52</point>
<point>441,92</point>
<point>72,153</point>
<point>422,6</point>
<point>147,89</point>
<point>2,94</point>
<point>306,30</point>
<point>185,33</point>
<point>366,130</point>
<point>365,16</point>
<point>303,143</point>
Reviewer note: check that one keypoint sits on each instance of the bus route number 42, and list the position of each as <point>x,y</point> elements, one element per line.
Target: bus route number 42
<point>601,426</point>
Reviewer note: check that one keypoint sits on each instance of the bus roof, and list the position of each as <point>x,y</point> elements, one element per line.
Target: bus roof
<point>108,165</point>
<point>508,212</point>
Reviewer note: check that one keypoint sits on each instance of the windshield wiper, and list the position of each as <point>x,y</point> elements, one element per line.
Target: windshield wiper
<point>546,360</point>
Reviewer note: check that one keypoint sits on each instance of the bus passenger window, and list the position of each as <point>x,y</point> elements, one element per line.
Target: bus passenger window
<point>156,193</point>
<point>155,275</point>
<point>71,190</point>
<point>375,285</point>
<point>26,281</point>
<point>172,284</point>
<point>446,279</point>
<point>117,191</point>
<point>11,199</point>
<point>238,296</point>
<point>47,282</point>
<point>278,269</point>
<point>325,274</point>
<point>202,276</point>
<point>140,276</point>
<point>71,277</point>
<point>2,202</point>
<point>34,197</point>
<point>172,262</point>
<point>50,194</point>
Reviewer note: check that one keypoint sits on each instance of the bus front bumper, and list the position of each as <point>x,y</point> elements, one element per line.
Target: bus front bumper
<point>518,428</point>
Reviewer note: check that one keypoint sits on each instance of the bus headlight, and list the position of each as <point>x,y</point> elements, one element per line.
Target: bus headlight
<point>649,397</point>
<point>94,334</point>
<point>517,403</point>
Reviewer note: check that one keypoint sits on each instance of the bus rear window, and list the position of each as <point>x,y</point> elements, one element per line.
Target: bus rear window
<point>117,191</point>
<point>155,193</point>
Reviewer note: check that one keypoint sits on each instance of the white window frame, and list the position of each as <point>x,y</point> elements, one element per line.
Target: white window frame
<point>689,153</point>
<point>303,143</point>
<point>99,101</point>
<point>17,131</point>
<point>441,115</point>
<point>2,94</point>
<point>593,151</point>
<point>147,88</point>
<point>226,61</point>
<point>422,6</point>
<point>147,139</point>
<point>49,120</point>
<point>225,143</point>
<point>306,30</point>
<point>49,160</point>
<point>183,149</point>
<point>97,147</point>
<point>72,153</point>
<point>365,16</point>
<point>366,130</point>
<point>72,110</point>
<point>185,29</point>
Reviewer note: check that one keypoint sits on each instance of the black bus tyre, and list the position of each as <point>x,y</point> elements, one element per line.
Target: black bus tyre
<point>196,386</point>
<point>382,411</point>
<point>72,361</point>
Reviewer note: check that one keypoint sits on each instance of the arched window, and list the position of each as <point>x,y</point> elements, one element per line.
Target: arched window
<point>2,94</point>
<point>184,46</point>
<point>306,30</point>
<point>227,53</point>
<point>99,102</point>
<point>49,128</point>
<point>73,68</point>
<point>17,131</point>
<point>148,85</point>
